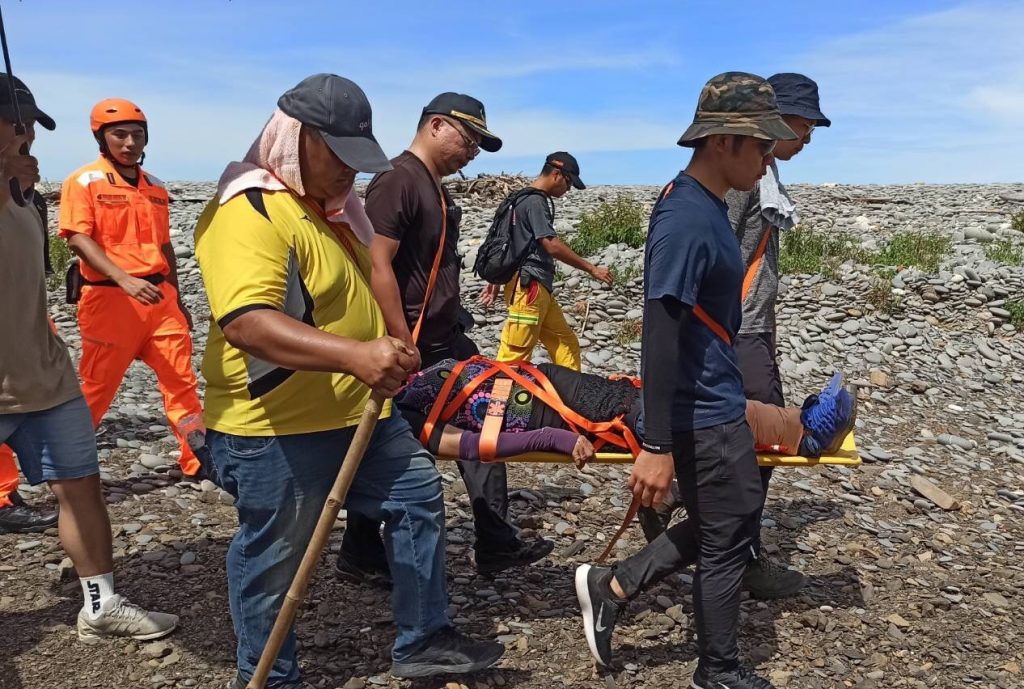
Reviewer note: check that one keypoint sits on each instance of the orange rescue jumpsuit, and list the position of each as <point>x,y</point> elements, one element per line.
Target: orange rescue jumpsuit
<point>131,225</point>
<point>8,476</point>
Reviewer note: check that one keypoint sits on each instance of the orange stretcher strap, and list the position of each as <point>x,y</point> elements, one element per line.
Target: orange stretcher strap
<point>614,432</point>
<point>434,269</point>
<point>634,507</point>
<point>494,419</point>
<point>699,311</point>
<point>755,265</point>
<point>712,324</point>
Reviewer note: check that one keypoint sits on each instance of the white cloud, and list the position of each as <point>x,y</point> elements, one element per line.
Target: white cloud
<point>935,97</point>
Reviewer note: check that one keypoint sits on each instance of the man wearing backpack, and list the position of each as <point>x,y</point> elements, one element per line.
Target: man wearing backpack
<point>533,313</point>
<point>415,280</point>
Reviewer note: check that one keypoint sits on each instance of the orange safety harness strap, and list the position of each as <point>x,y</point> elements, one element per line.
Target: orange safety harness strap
<point>527,376</point>
<point>614,432</point>
<point>755,265</point>
<point>634,507</point>
<point>434,269</point>
<point>494,419</point>
<point>698,311</point>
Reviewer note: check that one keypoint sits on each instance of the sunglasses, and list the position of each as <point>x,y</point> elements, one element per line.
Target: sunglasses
<point>766,147</point>
<point>470,143</point>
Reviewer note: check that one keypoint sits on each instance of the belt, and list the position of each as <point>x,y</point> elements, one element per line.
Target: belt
<point>154,279</point>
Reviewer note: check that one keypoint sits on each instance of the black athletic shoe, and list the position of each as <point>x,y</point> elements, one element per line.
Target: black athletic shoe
<point>20,517</point>
<point>522,554</point>
<point>363,574</point>
<point>766,579</point>
<point>448,652</point>
<point>741,677</point>
<point>600,609</point>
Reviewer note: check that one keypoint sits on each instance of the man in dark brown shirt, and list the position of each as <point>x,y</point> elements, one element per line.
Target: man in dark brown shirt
<point>417,287</point>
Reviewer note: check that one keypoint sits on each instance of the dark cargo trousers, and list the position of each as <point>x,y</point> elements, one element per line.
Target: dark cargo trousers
<point>721,488</point>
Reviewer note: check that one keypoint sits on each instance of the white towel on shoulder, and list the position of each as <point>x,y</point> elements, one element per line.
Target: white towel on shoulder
<point>776,205</point>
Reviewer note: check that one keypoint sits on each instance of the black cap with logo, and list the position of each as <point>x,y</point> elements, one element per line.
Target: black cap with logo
<point>468,110</point>
<point>340,111</point>
<point>567,164</point>
<point>26,103</point>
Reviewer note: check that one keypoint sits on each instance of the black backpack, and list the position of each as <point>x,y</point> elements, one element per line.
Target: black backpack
<point>506,247</point>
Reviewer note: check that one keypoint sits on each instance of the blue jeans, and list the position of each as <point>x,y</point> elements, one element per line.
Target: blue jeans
<point>53,444</point>
<point>280,484</point>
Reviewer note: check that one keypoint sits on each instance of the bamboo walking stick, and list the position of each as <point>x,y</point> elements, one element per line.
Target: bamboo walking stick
<point>300,583</point>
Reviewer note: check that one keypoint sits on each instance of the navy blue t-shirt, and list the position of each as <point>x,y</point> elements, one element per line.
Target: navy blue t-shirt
<point>692,255</point>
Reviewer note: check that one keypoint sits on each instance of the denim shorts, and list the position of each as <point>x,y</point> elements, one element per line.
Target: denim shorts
<point>53,444</point>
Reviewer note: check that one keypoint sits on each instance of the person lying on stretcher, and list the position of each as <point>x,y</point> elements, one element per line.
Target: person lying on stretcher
<point>547,401</point>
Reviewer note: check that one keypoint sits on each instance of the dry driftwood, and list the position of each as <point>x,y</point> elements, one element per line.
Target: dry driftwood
<point>486,189</point>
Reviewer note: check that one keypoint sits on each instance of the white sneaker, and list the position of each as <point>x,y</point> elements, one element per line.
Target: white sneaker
<point>121,617</point>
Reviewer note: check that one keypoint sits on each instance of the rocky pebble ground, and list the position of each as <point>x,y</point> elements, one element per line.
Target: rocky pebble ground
<point>916,558</point>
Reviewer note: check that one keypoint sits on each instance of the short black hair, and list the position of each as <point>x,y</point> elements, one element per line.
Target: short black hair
<point>548,169</point>
<point>424,118</point>
<point>701,143</point>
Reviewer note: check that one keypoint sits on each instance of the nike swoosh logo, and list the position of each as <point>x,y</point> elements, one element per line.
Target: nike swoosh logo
<point>724,686</point>
<point>600,627</point>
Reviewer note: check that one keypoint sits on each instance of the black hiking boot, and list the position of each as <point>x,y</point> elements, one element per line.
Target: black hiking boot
<point>363,573</point>
<point>522,553</point>
<point>447,652</point>
<point>20,517</point>
<point>741,677</point>
<point>766,579</point>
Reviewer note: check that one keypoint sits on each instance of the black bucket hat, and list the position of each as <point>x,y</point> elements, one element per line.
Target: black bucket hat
<point>797,95</point>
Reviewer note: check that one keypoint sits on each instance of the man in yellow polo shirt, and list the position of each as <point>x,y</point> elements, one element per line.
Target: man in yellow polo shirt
<point>296,346</point>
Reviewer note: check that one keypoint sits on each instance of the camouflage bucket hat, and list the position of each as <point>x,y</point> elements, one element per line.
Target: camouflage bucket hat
<point>737,103</point>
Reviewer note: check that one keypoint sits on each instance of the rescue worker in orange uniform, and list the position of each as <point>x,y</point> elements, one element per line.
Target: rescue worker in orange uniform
<point>114,216</point>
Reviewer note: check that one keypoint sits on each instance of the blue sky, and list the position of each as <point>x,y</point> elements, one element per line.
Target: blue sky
<point>917,91</point>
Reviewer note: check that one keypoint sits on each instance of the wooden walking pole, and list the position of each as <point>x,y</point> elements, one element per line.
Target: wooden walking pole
<point>297,591</point>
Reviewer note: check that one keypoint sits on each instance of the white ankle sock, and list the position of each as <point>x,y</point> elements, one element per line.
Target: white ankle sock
<point>97,590</point>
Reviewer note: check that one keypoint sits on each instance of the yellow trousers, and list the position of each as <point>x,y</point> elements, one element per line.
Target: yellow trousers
<point>534,315</point>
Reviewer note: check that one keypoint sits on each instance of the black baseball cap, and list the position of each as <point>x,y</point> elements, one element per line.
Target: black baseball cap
<point>797,94</point>
<point>468,110</point>
<point>26,103</point>
<point>340,111</point>
<point>568,165</point>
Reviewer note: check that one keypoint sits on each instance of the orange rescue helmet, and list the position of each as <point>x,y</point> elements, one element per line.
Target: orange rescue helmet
<point>113,110</point>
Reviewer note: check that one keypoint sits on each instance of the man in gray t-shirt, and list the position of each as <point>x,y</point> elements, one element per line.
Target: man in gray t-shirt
<point>757,216</point>
<point>533,314</point>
